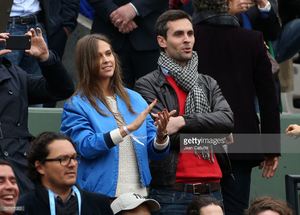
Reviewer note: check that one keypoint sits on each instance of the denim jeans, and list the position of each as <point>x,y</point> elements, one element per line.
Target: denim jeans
<point>19,57</point>
<point>175,202</point>
<point>288,43</point>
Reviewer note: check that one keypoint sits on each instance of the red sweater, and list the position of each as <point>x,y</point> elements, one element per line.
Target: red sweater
<point>191,169</point>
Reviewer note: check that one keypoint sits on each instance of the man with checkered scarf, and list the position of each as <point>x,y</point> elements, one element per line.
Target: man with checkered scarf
<point>201,109</point>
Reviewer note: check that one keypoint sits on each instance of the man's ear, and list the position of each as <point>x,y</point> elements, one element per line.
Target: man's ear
<point>162,42</point>
<point>39,167</point>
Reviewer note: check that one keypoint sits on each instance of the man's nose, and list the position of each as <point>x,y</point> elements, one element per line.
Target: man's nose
<point>187,38</point>
<point>73,162</point>
<point>9,185</point>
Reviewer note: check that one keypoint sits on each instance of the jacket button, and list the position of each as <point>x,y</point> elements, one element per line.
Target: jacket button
<point>5,153</point>
<point>18,124</point>
<point>25,154</point>
<point>10,92</point>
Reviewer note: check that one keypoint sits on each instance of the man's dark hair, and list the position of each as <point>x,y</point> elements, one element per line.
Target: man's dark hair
<point>5,163</point>
<point>197,204</point>
<point>161,27</point>
<point>39,152</point>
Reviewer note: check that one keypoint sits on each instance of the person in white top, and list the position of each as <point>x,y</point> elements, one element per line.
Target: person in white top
<point>111,125</point>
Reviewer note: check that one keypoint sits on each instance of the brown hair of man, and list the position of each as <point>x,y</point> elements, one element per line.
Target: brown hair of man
<point>196,205</point>
<point>88,66</point>
<point>161,27</point>
<point>262,204</point>
<point>39,152</point>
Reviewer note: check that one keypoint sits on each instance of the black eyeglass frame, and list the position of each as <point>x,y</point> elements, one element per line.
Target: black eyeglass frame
<point>63,160</point>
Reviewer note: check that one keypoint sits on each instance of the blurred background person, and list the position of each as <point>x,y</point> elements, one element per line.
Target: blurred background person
<point>268,206</point>
<point>57,19</point>
<point>130,26</point>
<point>237,58</point>
<point>288,43</point>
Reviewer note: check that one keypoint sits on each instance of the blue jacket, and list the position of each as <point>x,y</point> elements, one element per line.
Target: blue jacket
<point>90,131</point>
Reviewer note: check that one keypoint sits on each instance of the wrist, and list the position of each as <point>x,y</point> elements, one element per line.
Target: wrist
<point>162,136</point>
<point>44,57</point>
<point>181,122</point>
<point>130,128</point>
<point>126,130</point>
<point>136,13</point>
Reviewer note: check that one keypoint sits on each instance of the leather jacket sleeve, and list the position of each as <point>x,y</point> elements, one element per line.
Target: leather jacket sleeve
<point>220,120</point>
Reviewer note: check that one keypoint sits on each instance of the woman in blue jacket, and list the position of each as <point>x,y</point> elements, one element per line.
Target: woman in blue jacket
<point>111,125</point>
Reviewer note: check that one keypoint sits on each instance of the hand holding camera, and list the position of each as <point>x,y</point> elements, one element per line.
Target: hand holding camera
<point>38,47</point>
<point>3,38</point>
<point>32,42</point>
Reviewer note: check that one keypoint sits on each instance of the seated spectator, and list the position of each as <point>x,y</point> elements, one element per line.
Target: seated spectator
<point>53,164</point>
<point>132,203</point>
<point>268,206</point>
<point>18,89</point>
<point>111,125</point>
<point>9,190</point>
<point>205,206</point>
<point>293,130</point>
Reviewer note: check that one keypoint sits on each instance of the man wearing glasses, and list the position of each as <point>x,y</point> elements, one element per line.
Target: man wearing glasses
<point>53,164</point>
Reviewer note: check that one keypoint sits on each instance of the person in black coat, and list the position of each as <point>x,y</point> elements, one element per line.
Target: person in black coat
<point>237,59</point>
<point>57,19</point>
<point>53,164</point>
<point>60,20</point>
<point>19,89</point>
<point>130,26</point>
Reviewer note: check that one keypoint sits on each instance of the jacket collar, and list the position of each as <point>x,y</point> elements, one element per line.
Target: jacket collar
<point>4,67</point>
<point>160,77</point>
<point>209,17</point>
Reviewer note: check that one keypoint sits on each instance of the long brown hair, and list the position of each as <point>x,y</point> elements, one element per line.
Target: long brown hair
<point>88,67</point>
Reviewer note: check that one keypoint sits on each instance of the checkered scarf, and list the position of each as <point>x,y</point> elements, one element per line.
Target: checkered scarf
<point>217,6</point>
<point>187,78</point>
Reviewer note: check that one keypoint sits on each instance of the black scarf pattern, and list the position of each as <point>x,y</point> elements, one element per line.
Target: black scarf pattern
<point>187,78</point>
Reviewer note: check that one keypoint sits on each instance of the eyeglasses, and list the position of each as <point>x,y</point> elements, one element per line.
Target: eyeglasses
<point>64,160</point>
